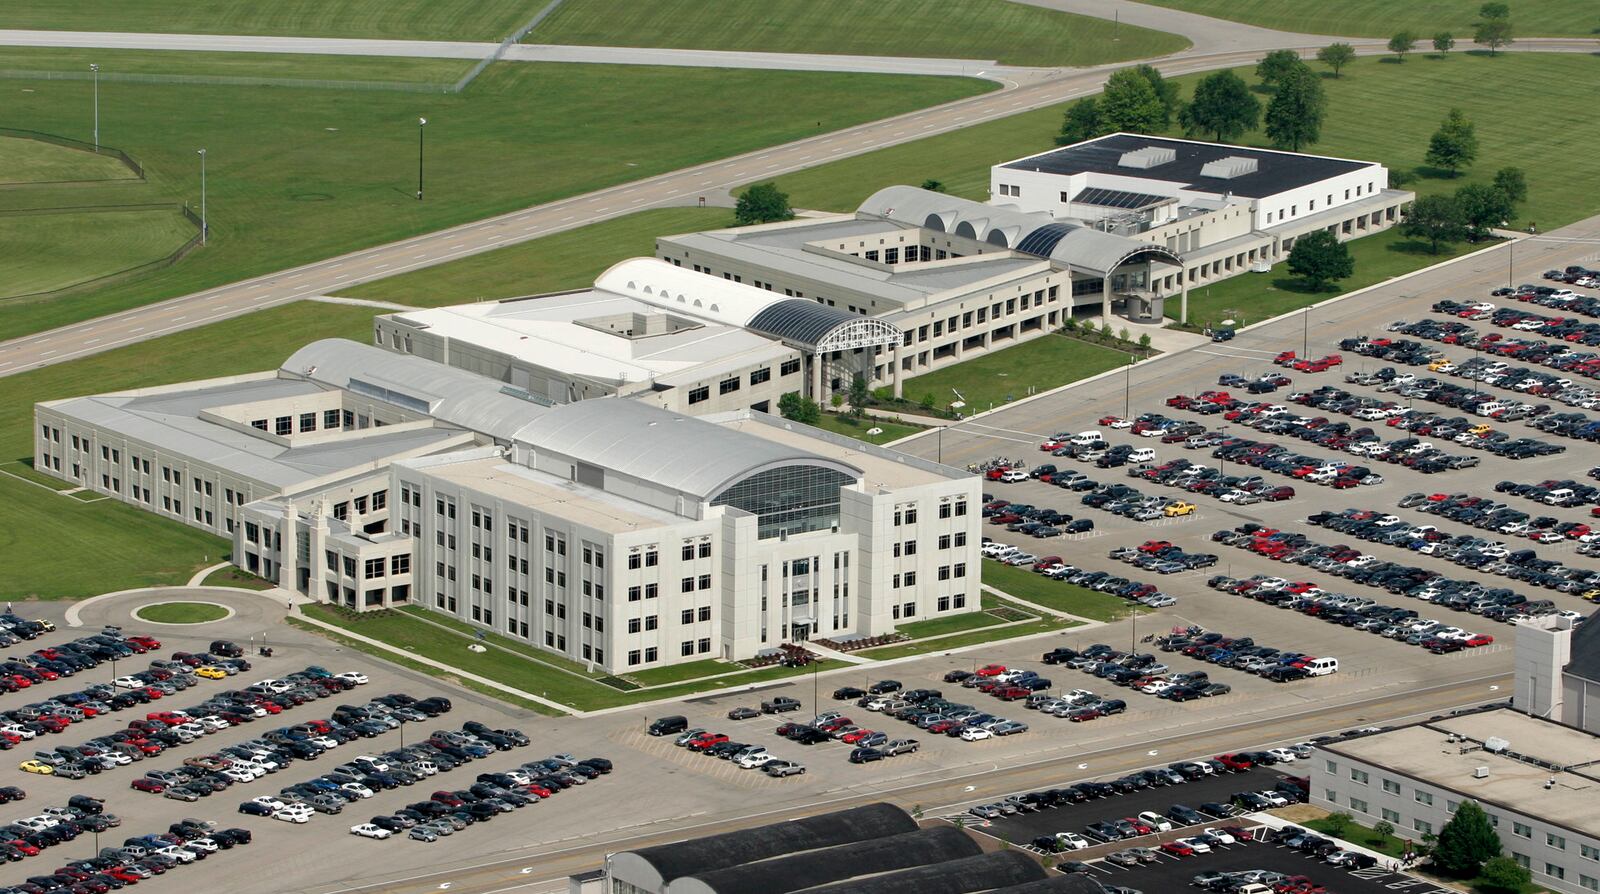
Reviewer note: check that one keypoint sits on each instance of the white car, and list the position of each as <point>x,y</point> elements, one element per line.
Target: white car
<point>1198,846</point>
<point>1155,821</point>
<point>274,803</point>
<point>1283,755</point>
<point>238,775</point>
<point>294,813</point>
<point>18,730</point>
<point>357,789</point>
<point>975,734</point>
<point>1276,799</point>
<point>754,759</point>
<point>355,677</point>
<point>128,683</point>
<point>202,845</point>
<point>1071,841</point>
<point>1219,835</point>
<point>213,723</point>
<point>182,855</point>
<point>368,830</point>
<point>117,757</point>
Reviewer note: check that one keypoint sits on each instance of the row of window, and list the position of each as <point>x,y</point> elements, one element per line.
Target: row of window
<point>981,316</point>
<point>331,419</point>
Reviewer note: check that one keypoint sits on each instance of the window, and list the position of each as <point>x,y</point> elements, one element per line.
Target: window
<point>1555,871</point>
<point>1521,830</point>
<point>688,585</point>
<point>1358,805</point>
<point>633,657</point>
<point>961,537</point>
<point>704,582</point>
<point>374,568</point>
<point>1330,796</point>
<point>283,425</point>
<point>703,550</point>
<point>789,367</point>
<point>945,509</point>
<point>763,374</point>
<point>308,421</point>
<point>727,386</point>
<point>634,561</point>
<point>686,647</point>
<point>944,603</point>
<point>1589,881</point>
<point>1422,826</point>
<point>703,613</point>
<point>1522,859</point>
<point>633,625</point>
<point>651,591</point>
<point>1332,766</point>
<point>687,616</point>
<point>330,418</point>
<point>700,394</point>
<point>1423,797</point>
<point>634,594</point>
<point>1556,841</point>
<point>1589,851</point>
<point>688,551</point>
<point>651,558</point>
<point>944,541</point>
<point>651,622</point>
<point>400,564</point>
<point>961,600</point>
<point>1390,816</point>
<point>703,646</point>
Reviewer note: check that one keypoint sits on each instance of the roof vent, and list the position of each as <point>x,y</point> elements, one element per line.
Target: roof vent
<point>1230,167</point>
<point>1148,157</point>
<point>1495,745</point>
<point>1480,772</point>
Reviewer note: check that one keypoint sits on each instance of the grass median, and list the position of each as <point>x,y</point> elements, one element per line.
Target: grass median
<point>1036,589</point>
<point>997,378</point>
<point>181,613</point>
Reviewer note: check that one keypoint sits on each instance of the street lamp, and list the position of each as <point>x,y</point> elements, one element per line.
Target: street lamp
<point>205,228</point>
<point>421,124</point>
<point>1127,390</point>
<point>1305,333</point>
<point>95,68</point>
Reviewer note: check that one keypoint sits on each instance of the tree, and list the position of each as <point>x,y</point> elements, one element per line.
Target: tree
<point>1144,341</point>
<point>1444,42</point>
<point>1513,183</point>
<point>927,401</point>
<point>1466,842</point>
<point>1319,258</point>
<point>932,185</point>
<point>1490,11</point>
<point>1492,33</point>
<point>1338,822</point>
<point>1165,90</point>
<point>1276,65</point>
<point>1454,145</point>
<point>1223,108</point>
<point>1402,43</point>
<point>1505,875</point>
<point>1082,122</point>
<point>1336,56</point>
<point>1129,103</point>
<point>763,203</point>
<point>800,409</point>
<point>1294,117</point>
<point>858,395</point>
<point>1384,829</point>
<point>1437,219</point>
<point>1483,208</point>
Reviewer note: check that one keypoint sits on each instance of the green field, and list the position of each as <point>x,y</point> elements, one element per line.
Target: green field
<point>57,250</point>
<point>568,260</point>
<point>236,578</point>
<point>34,161</point>
<point>409,19</point>
<point>181,612</point>
<point>1005,375</point>
<point>951,624</point>
<point>289,66</point>
<point>296,175</point>
<point>1063,597</point>
<point>1409,99</point>
<point>1012,33</point>
<point>1382,18</point>
<point>857,428</point>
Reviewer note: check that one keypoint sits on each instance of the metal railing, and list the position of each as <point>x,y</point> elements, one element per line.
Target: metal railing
<point>70,143</point>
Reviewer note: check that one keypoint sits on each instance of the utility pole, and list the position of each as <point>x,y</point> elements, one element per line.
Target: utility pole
<point>422,123</point>
<point>205,226</point>
<point>1305,334</point>
<point>95,68</point>
<point>1127,390</point>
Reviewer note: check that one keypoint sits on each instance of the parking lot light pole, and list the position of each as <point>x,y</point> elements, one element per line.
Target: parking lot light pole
<point>205,227</point>
<point>94,67</point>
<point>1127,390</point>
<point>402,733</point>
<point>1305,333</point>
<point>422,124</point>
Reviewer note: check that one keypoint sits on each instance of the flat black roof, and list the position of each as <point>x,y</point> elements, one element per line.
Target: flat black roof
<point>1275,171</point>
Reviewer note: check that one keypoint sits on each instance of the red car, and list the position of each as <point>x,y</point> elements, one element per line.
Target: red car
<point>1143,828</point>
<point>127,876</point>
<point>449,799</point>
<point>1083,714</point>
<point>854,737</point>
<point>170,718</point>
<point>699,743</point>
<point>1235,762</point>
<point>153,786</point>
<point>149,642</point>
<point>1012,693</point>
<point>1479,639</point>
<point>946,727</point>
<point>1177,849</point>
<point>990,670</point>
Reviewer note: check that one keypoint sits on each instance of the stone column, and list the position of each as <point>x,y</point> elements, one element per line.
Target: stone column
<point>894,368</point>
<point>288,550</point>
<point>1183,301</point>
<point>1105,299</point>
<point>816,378</point>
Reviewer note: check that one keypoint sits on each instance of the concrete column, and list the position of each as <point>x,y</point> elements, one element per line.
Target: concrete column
<point>1183,301</point>
<point>319,545</point>
<point>816,378</point>
<point>288,551</point>
<point>1105,299</point>
<point>894,368</point>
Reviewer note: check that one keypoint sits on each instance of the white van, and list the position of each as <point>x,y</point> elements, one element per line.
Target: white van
<point>1087,438</point>
<point>1142,455</point>
<point>1558,497</point>
<point>1322,667</point>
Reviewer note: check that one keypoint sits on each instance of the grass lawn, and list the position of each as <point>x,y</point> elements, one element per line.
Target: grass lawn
<point>236,578</point>
<point>57,250</point>
<point>1253,297</point>
<point>181,613</point>
<point>952,624</point>
<point>970,638</point>
<point>678,673</point>
<point>289,66</point>
<point>1028,587</point>
<point>1013,33</point>
<point>568,260</point>
<point>514,670</point>
<point>467,630</point>
<point>409,19</point>
<point>33,161</point>
<point>1409,99</point>
<point>1382,18</point>
<point>1355,833</point>
<point>857,428</point>
<point>1006,375</point>
<point>297,175</point>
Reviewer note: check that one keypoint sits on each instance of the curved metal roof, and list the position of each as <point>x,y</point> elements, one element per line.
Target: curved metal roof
<point>813,325</point>
<point>674,861</point>
<point>668,450</point>
<point>1095,252</point>
<point>684,291</point>
<point>986,872</point>
<point>1043,240</point>
<point>809,869</point>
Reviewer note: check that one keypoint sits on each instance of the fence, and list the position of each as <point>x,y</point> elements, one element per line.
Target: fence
<point>506,44</point>
<point>238,81</point>
<point>70,143</point>
<point>174,257</point>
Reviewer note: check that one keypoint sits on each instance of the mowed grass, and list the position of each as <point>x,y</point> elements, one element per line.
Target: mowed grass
<point>33,161</point>
<point>1008,374</point>
<point>55,546</point>
<point>181,612</point>
<point>1410,100</point>
<point>291,66</point>
<point>1382,18</point>
<point>297,175</point>
<point>1036,589</point>
<point>236,578</point>
<point>1012,33</point>
<point>562,261</point>
<point>858,428</point>
<point>50,251</point>
<point>409,19</point>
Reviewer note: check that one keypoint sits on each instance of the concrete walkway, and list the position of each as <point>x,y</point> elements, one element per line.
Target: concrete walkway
<point>361,302</point>
<point>835,654</point>
<point>1084,623</point>
<point>201,575</point>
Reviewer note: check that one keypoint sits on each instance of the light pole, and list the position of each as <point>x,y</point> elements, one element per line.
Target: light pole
<point>1305,334</point>
<point>1511,263</point>
<point>1127,390</point>
<point>205,228</point>
<point>95,68</point>
<point>422,123</point>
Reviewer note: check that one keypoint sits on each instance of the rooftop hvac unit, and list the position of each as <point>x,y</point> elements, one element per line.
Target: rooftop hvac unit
<point>1148,157</point>
<point>1480,772</point>
<point>1228,168</point>
<point>1495,744</point>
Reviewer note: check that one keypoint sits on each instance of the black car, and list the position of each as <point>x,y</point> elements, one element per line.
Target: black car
<point>956,676</point>
<point>867,755</point>
<point>885,686</point>
<point>845,693</point>
<point>1188,816</point>
<point>254,809</point>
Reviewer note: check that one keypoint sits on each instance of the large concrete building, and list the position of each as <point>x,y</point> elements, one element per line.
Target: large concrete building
<point>1539,781</point>
<point>1558,671</point>
<point>608,530</point>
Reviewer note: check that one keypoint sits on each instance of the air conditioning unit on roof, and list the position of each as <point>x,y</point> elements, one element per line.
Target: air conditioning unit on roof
<point>1148,157</point>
